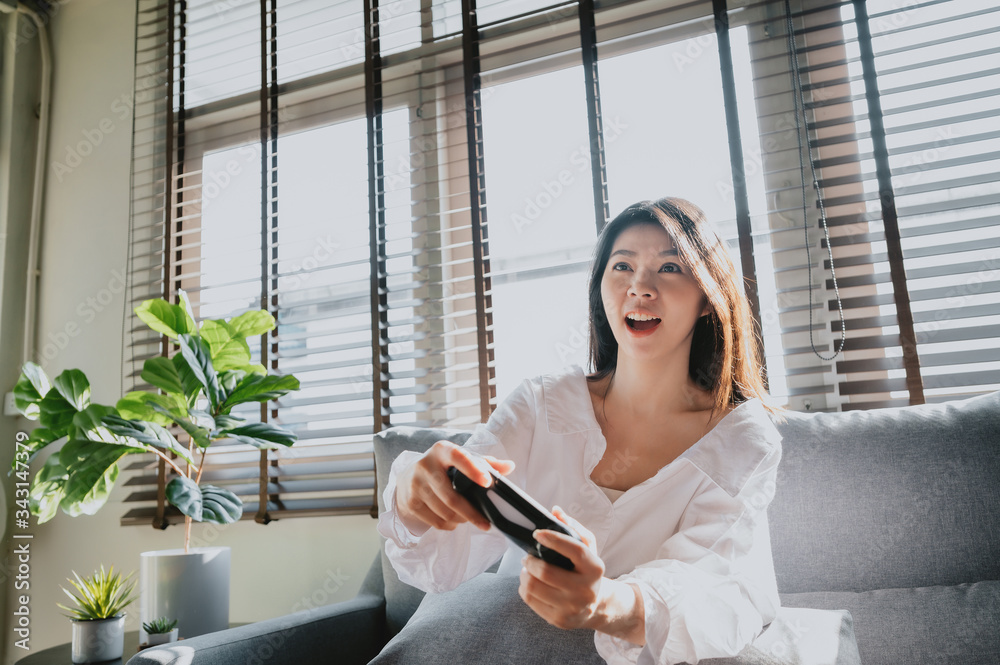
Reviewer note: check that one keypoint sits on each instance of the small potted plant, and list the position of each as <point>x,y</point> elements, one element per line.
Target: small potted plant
<point>99,617</point>
<point>196,388</point>
<point>160,631</point>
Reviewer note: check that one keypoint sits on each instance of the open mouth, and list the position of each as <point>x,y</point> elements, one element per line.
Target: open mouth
<point>641,325</point>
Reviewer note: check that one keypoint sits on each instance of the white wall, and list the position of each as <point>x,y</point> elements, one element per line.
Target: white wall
<point>275,567</point>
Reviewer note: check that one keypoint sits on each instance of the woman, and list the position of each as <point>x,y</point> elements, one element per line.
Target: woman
<point>664,457</point>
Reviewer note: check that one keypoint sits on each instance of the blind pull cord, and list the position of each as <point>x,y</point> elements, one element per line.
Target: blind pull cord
<point>800,119</point>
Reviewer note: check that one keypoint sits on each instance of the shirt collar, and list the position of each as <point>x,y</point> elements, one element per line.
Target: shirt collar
<point>568,407</point>
<point>727,459</point>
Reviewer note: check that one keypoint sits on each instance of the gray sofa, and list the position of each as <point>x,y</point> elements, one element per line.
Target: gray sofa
<point>893,515</point>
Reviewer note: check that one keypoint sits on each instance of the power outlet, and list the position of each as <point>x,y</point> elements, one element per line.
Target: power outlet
<point>9,408</point>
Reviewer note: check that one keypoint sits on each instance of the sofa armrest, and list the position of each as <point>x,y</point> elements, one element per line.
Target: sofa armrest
<point>345,633</point>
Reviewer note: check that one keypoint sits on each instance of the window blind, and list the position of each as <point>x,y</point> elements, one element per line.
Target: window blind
<point>330,162</point>
<point>310,158</point>
<point>897,117</point>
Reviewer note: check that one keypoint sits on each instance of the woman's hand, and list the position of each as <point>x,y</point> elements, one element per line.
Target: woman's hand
<point>565,598</point>
<point>424,494</point>
<point>582,597</point>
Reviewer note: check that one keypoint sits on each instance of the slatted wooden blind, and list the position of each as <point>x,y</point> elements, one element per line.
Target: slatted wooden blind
<point>899,99</point>
<point>328,161</point>
<point>313,162</point>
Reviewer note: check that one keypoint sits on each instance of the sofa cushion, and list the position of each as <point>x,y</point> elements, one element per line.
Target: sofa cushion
<point>888,498</point>
<point>484,621</point>
<point>944,625</point>
<point>401,599</point>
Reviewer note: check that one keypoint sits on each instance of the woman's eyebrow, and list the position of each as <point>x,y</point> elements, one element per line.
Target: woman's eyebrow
<point>629,252</point>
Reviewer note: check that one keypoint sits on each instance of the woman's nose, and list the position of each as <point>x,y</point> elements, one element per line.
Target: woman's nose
<point>640,286</point>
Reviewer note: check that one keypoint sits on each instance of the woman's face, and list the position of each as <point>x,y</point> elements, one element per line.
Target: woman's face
<point>645,276</point>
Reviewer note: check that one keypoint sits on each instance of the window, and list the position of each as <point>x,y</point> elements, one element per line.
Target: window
<point>898,101</point>
<point>414,191</point>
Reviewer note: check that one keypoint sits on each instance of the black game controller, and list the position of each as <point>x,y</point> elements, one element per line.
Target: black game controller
<point>528,509</point>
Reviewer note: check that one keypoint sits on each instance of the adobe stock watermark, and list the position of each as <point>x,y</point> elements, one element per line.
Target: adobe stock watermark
<point>27,30</point>
<point>577,339</point>
<point>959,297</point>
<point>353,45</point>
<point>267,645</point>
<point>249,155</point>
<point>86,312</point>
<point>215,181</point>
<point>75,154</point>
<point>121,109</point>
<point>421,146</point>
<point>551,189</point>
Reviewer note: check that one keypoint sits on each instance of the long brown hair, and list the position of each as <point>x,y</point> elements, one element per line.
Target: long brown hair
<point>725,350</point>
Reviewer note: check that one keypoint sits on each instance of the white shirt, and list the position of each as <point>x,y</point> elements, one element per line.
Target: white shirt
<point>694,537</point>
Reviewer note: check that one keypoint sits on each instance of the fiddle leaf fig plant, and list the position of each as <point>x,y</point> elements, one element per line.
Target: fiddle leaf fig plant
<point>198,387</point>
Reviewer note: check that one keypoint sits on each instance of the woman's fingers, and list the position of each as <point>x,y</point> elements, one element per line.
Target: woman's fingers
<point>429,495</point>
<point>502,466</point>
<point>539,599</point>
<point>425,492</point>
<point>441,515</point>
<point>584,559</point>
<point>585,534</point>
<point>565,599</point>
<point>475,467</point>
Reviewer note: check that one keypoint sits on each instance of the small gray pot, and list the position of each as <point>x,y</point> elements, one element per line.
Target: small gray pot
<point>191,587</point>
<point>98,639</point>
<point>162,638</point>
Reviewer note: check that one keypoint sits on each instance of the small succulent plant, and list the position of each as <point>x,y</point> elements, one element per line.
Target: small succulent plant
<point>159,626</point>
<point>103,595</point>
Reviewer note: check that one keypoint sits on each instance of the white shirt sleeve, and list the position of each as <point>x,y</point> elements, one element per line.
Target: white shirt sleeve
<point>435,560</point>
<point>711,589</point>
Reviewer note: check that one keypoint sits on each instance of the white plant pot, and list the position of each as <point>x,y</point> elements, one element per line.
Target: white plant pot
<point>162,638</point>
<point>192,588</point>
<point>98,639</point>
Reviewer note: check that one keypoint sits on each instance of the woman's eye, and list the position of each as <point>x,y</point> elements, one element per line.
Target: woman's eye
<point>619,265</point>
<point>671,267</point>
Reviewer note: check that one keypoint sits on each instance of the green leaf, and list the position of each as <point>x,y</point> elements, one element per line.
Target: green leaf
<point>161,316</point>
<point>31,387</point>
<point>102,595</point>
<point>203,419</point>
<point>190,383</point>
<point>159,626</point>
<point>220,506</point>
<point>204,504</point>
<point>186,305</point>
<point>229,379</point>
<point>185,494</point>
<point>56,413</point>
<point>199,434</point>
<point>257,388</point>
<point>198,356</point>
<point>149,433</point>
<point>36,375</point>
<point>73,385</point>
<point>26,398</point>
<point>162,373</point>
<point>137,405</point>
<point>92,467</point>
<point>39,438</point>
<point>225,421</point>
<point>48,489</point>
<point>89,424</point>
<point>262,435</point>
<point>227,350</point>
<point>254,322</point>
